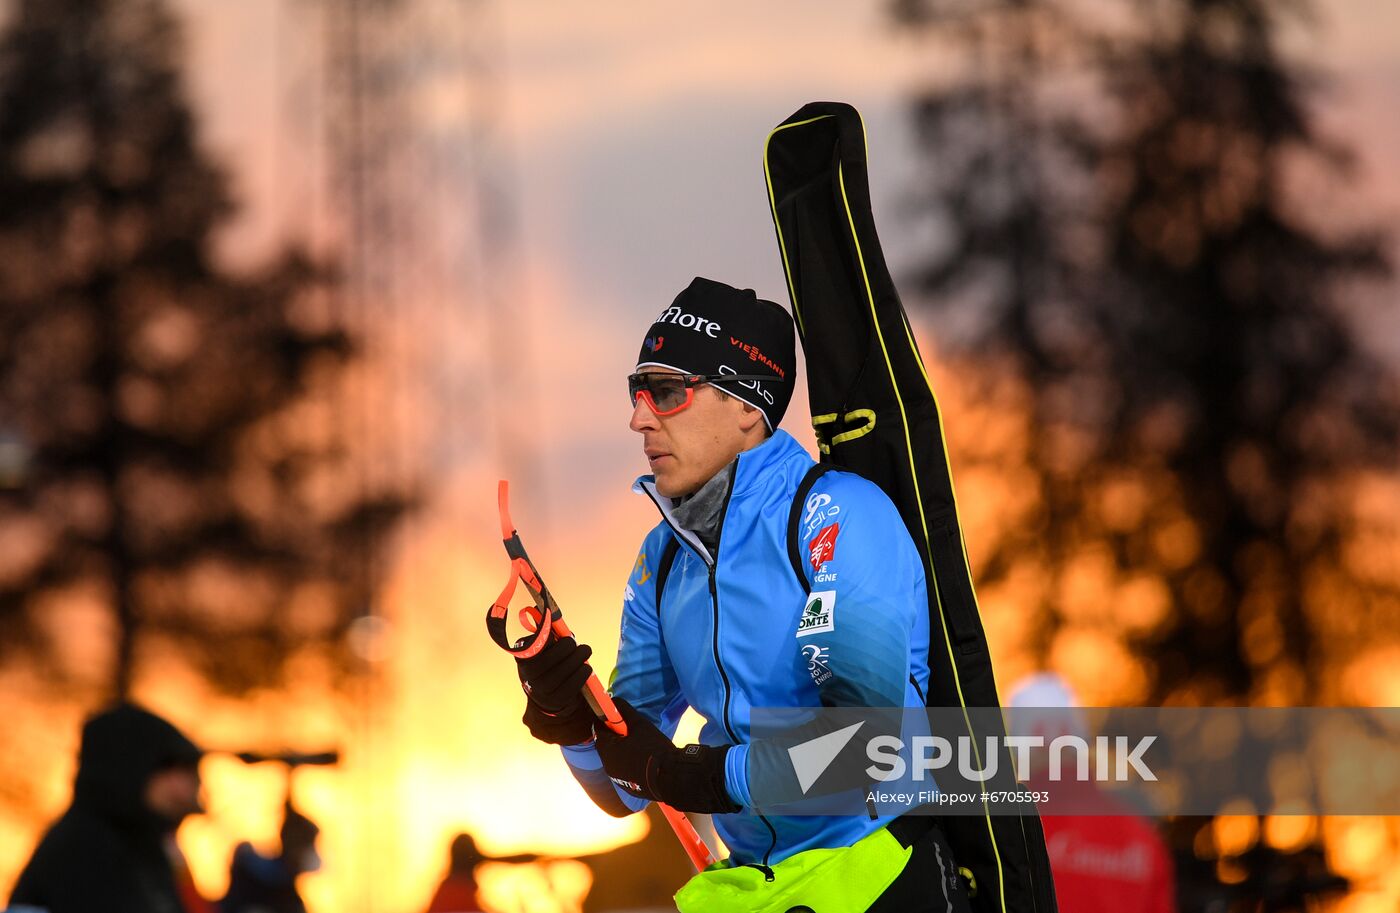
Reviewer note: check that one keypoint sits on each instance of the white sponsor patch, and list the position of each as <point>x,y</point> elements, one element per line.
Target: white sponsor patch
<point>815,503</point>
<point>754,385</point>
<point>688,320</point>
<point>820,512</point>
<point>629,594</point>
<point>817,663</point>
<point>819,615</point>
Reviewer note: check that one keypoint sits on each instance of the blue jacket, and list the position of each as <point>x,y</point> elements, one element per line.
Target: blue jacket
<point>727,637</point>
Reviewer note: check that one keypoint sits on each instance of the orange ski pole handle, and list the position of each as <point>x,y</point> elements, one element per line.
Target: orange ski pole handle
<point>532,618</point>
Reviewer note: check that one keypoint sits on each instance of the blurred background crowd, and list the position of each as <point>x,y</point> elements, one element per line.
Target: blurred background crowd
<point>287,285</point>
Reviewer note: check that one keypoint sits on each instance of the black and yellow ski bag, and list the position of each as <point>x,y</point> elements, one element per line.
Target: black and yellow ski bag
<point>875,414</point>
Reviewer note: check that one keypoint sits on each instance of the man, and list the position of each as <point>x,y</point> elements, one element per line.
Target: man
<point>720,620</point>
<point>113,849</point>
<point>457,892</point>
<point>268,884</point>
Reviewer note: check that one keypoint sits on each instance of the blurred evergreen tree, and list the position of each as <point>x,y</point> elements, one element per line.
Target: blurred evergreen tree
<point>1115,223</point>
<point>1112,195</point>
<point>168,443</point>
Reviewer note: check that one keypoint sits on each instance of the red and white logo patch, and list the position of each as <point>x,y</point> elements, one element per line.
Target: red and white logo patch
<point>823,547</point>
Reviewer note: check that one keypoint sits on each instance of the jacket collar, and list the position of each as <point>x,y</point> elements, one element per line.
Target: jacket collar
<point>757,464</point>
<point>753,466</point>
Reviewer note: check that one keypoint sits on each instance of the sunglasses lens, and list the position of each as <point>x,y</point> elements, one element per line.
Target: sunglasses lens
<point>667,391</point>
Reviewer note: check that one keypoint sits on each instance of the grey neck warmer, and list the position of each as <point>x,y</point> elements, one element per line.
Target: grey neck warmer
<point>702,512</point>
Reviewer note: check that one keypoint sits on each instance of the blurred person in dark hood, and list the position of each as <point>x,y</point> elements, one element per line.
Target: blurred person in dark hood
<point>113,850</point>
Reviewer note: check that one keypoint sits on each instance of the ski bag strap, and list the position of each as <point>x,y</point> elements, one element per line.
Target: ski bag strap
<point>804,488</point>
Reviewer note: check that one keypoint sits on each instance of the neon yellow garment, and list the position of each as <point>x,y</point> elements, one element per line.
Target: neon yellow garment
<point>846,879</point>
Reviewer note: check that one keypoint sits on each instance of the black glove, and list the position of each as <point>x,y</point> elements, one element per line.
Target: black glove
<point>555,711</point>
<point>647,764</point>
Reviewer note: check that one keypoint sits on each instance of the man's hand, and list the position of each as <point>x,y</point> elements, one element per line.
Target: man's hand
<point>647,764</point>
<point>555,711</point>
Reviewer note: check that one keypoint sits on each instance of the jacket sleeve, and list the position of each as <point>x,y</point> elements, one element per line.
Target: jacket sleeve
<point>643,676</point>
<point>863,629</point>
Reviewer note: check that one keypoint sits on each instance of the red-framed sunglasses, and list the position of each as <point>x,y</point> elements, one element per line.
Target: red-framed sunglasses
<point>667,394</point>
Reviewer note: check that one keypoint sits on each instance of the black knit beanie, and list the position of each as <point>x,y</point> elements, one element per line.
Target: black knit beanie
<point>713,328</point>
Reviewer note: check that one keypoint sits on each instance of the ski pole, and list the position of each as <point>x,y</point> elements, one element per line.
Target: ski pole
<point>545,618</point>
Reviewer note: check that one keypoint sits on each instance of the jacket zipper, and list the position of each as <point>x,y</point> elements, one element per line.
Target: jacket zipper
<point>724,676</point>
<point>712,565</point>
